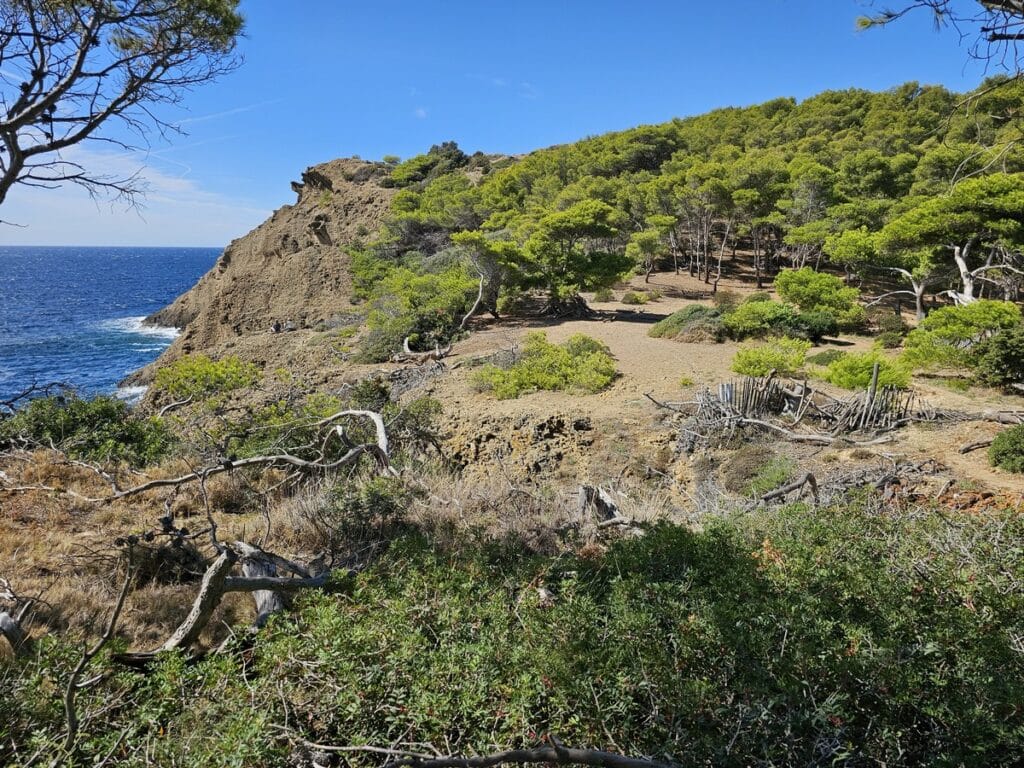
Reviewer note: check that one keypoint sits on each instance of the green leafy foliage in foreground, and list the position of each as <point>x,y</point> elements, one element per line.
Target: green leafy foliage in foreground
<point>1007,450</point>
<point>795,637</point>
<point>854,371</point>
<point>101,428</point>
<point>579,364</point>
<point>782,356</point>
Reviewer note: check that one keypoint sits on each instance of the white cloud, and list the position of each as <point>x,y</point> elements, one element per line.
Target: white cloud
<point>420,112</point>
<point>176,210</point>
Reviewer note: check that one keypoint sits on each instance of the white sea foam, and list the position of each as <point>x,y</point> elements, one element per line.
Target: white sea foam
<point>134,326</point>
<point>130,395</point>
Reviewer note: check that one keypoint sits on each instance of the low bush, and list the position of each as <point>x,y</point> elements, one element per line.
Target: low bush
<point>815,325</point>
<point>795,636</point>
<point>580,364</point>
<point>825,357</point>
<point>890,339</point>
<point>783,356</point>
<point>725,300</point>
<point>814,291</point>
<point>949,337</point>
<point>200,378</point>
<point>1007,450</point>
<point>760,318</point>
<point>854,371</point>
<point>634,297</point>
<point>1000,359</point>
<point>604,294</point>
<point>96,429</point>
<point>695,323</point>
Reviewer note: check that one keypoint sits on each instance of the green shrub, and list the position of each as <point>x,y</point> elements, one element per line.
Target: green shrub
<point>427,308</point>
<point>818,292</point>
<point>784,356</point>
<point>757,296</point>
<point>604,294</point>
<point>825,357</point>
<point>1007,450</point>
<point>695,323</point>
<point>815,325</point>
<point>949,337</point>
<point>760,318</point>
<point>634,297</point>
<point>725,300</point>
<point>199,377</point>
<point>654,294</point>
<point>890,339</point>
<point>854,371</point>
<point>96,429</point>
<point>845,650</point>
<point>1000,359</point>
<point>775,473</point>
<point>580,364</point>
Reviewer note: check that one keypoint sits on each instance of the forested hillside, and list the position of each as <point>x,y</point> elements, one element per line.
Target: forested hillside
<point>916,185</point>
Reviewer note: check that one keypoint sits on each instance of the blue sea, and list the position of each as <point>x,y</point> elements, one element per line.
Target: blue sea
<point>74,315</point>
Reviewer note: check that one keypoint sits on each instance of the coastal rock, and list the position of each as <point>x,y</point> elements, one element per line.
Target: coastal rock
<point>291,269</point>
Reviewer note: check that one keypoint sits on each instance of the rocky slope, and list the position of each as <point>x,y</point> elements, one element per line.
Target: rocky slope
<point>291,269</point>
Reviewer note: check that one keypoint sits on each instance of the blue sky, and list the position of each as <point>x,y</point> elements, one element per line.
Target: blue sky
<point>331,78</point>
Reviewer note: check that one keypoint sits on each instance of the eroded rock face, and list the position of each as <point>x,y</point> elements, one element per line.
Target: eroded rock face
<point>291,269</point>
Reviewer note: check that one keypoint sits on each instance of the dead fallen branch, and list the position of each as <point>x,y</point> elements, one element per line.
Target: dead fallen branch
<point>557,754</point>
<point>806,480</point>
<point>975,446</point>
<point>379,450</point>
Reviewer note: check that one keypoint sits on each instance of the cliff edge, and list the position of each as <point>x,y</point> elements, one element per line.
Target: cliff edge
<point>291,269</point>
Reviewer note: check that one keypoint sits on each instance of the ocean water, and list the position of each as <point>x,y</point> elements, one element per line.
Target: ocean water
<point>74,315</point>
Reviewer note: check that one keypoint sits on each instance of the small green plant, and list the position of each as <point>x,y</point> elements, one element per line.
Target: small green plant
<point>1007,450</point>
<point>686,381</point>
<point>783,356</point>
<point>695,323</point>
<point>604,294</point>
<point>199,377</point>
<point>854,371</point>
<point>580,364</point>
<point>772,475</point>
<point>725,300</point>
<point>1000,359</point>
<point>759,319</point>
<point>654,294</point>
<point>825,357</point>
<point>97,429</point>
<point>890,339</point>
<point>634,297</point>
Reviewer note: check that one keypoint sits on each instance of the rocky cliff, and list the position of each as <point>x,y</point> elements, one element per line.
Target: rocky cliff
<point>292,268</point>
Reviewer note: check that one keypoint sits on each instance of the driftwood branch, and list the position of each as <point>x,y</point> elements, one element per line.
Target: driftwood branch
<point>975,446</point>
<point>806,480</point>
<point>379,449</point>
<point>211,589</point>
